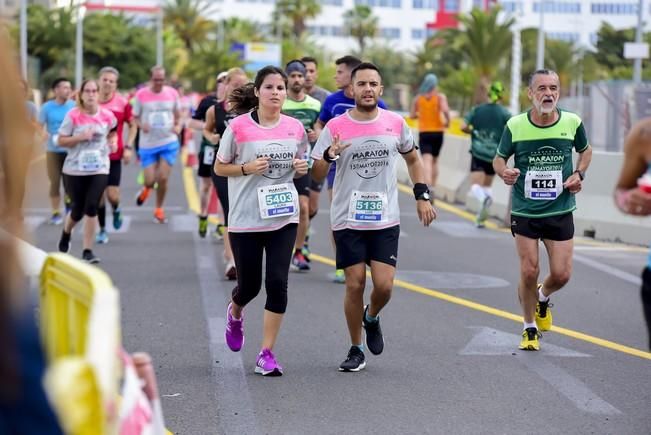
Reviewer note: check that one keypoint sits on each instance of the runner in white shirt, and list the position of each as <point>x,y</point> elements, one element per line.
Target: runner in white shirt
<point>366,142</point>
<point>157,111</point>
<point>88,132</point>
<point>261,152</point>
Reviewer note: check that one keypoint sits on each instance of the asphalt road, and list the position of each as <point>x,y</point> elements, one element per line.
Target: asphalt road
<point>450,365</point>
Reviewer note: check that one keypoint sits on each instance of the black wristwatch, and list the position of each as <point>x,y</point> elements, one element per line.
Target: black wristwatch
<point>425,196</point>
<point>581,174</point>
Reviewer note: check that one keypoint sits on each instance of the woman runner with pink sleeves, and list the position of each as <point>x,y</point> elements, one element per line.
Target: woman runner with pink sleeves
<point>88,131</point>
<point>261,152</point>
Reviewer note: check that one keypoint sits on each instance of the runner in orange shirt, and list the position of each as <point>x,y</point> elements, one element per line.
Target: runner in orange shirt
<point>430,107</point>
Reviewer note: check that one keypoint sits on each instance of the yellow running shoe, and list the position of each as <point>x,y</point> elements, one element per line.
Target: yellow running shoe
<point>530,339</point>
<point>544,314</point>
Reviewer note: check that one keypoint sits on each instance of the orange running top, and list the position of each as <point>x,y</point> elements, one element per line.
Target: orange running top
<point>430,113</point>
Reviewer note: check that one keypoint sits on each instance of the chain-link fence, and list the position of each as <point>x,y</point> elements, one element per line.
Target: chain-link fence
<point>608,109</point>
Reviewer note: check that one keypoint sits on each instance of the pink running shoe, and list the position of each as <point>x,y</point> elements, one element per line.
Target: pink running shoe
<point>267,365</point>
<point>234,330</point>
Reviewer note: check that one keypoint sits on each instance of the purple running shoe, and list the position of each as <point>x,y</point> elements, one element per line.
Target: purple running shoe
<point>267,365</point>
<point>234,330</point>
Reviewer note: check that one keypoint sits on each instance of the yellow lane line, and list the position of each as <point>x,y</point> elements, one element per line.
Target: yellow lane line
<point>191,194</point>
<point>501,313</point>
<point>193,203</point>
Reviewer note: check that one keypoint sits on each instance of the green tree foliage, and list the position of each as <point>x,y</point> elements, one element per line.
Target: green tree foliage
<point>187,18</point>
<point>361,24</point>
<point>297,12</point>
<point>395,66</point>
<point>50,35</point>
<point>610,46</point>
<point>442,54</point>
<point>114,40</point>
<point>486,41</point>
<point>108,40</point>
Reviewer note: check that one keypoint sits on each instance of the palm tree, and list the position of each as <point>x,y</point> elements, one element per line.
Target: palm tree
<point>562,57</point>
<point>361,24</point>
<point>187,18</point>
<point>242,30</point>
<point>487,44</point>
<point>297,11</point>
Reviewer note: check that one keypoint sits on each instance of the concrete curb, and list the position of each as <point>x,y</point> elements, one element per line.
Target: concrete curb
<point>596,210</point>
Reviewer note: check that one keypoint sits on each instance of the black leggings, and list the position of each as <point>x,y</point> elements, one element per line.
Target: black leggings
<point>247,252</point>
<point>85,192</point>
<point>221,186</point>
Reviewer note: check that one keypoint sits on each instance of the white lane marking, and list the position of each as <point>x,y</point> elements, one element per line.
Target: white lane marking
<point>609,248</point>
<point>33,222</point>
<point>489,341</point>
<point>127,209</point>
<point>602,267</point>
<point>232,397</point>
<point>464,230</point>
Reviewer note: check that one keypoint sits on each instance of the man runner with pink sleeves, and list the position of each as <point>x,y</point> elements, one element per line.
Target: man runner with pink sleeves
<point>157,111</point>
<point>365,219</point>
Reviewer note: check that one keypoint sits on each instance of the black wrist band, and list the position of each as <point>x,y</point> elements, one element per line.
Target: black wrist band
<point>326,156</point>
<point>243,173</point>
<point>419,189</point>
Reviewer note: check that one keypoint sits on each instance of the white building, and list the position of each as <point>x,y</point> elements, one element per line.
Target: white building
<point>405,24</point>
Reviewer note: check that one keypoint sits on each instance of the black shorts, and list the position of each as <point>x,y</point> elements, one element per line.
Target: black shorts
<point>315,186</point>
<point>363,246</point>
<point>221,186</point>
<point>479,165</point>
<point>558,228</point>
<point>430,142</point>
<point>646,299</point>
<point>115,173</point>
<point>205,169</point>
<point>302,185</point>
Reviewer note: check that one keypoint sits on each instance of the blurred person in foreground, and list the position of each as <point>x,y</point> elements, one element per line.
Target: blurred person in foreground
<point>633,193</point>
<point>24,408</point>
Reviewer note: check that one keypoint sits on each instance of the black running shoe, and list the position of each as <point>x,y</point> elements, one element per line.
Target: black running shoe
<point>374,338</point>
<point>355,361</point>
<point>89,257</point>
<point>64,242</point>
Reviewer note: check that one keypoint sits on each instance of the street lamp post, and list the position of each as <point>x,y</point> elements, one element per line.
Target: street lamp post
<point>637,63</point>
<point>23,38</point>
<point>79,45</point>
<point>540,56</point>
<point>159,36</point>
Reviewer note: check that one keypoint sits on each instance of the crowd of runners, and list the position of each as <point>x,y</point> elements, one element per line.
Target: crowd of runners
<point>271,142</point>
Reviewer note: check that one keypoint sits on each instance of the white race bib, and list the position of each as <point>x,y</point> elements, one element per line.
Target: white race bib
<point>367,206</point>
<point>208,155</point>
<point>90,161</point>
<point>161,120</point>
<point>277,200</point>
<point>543,185</point>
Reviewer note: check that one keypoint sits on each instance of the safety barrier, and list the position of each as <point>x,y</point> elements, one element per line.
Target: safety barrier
<point>80,326</point>
<point>68,287</point>
<point>596,213</point>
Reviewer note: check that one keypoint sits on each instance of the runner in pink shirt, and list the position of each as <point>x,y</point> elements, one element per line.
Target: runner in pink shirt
<point>110,99</point>
<point>367,141</point>
<point>88,131</point>
<point>157,111</point>
<point>261,152</point>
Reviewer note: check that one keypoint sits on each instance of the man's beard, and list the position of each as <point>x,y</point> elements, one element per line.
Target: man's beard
<point>540,108</point>
<point>367,108</point>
